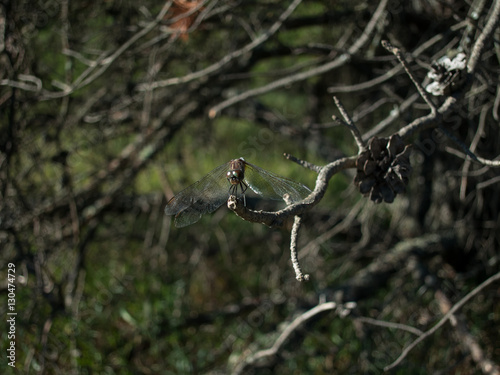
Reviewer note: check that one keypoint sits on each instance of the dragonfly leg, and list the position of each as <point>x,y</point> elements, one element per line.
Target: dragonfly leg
<point>244,188</point>
<point>233,190</point>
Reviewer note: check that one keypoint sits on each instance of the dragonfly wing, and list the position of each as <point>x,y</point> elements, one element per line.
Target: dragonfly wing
<point>186,217</point>
<point>193,213</point>
<point>204,196</point>
<point>272,186</point>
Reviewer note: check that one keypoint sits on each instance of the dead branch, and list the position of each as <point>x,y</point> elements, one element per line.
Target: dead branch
<point>465,337</point>
<point>268,355</point>
<point>479,44</point>
<point>338,62</point>
<point>444,319</point>
<point>216,67</point>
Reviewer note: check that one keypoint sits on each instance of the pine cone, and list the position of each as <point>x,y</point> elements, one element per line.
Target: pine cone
<point>383,169</point>
<point>447,75</point>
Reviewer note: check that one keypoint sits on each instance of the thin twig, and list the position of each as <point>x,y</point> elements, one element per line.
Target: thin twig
<point>393,115</point>
<point>268,354</point>
<point>226,59</point>
<point>293,250</point>
<point>444,319</point>
<point>366,85</point>
<point>303,163</point>
<point>90,74</point>
<point>489,28</point>
<point>479,159</point>
<point>427,121</point>
<point>496,104</point>
<point>397,52</point>
<point>341,226</point>
<point>350,125</point>
<point>35,83</point>
<point>459,143</point>
<point>382,323</point>
<point>472,149</point>
<point>390,74</point>
<point>465,337</point>
<point>339,61</point>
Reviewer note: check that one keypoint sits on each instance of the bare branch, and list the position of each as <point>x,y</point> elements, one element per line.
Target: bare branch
<point>472,148</point>
<point>343,225</point>
<point>444,319</point>
<point>339,61</point>
<point>397,52</point>
<point>458,142</point>
<point>226,59</point>
<point>488,30</point>
<point>496,104</point>
<point>293,250</point>
<point>269,354</point>
<point>350,125</point>
<point>390,74</point>
<point>303,163</point>
<point>466,339</point>
<point>90,74</point>
<point>469,151</point>
<point>393,115</point>
<point>487,162</point>
<point>427,121</point>
<point>382,323</point>
<point>26,82</point>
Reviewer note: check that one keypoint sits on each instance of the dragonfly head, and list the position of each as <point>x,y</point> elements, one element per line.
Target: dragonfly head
<point>234,176</point>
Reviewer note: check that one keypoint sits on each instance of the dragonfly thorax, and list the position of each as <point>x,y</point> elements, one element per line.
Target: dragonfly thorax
<point>236,171</point>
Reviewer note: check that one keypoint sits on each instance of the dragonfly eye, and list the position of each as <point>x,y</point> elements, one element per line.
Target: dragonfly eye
<point>234,177</point>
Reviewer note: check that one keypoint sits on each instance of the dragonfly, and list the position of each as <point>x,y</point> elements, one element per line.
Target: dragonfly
<point>209,193</point>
